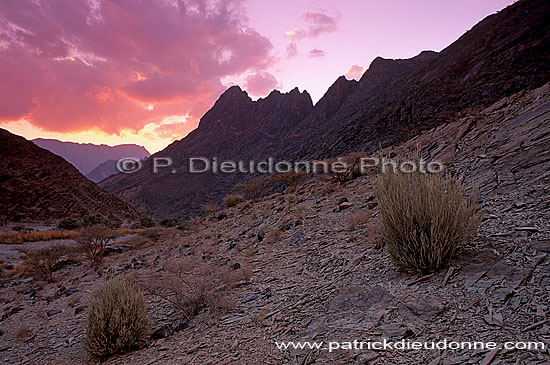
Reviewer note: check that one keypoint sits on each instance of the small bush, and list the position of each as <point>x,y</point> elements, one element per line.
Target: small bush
<point>290,179</point>
<point>93,240</point>
<point>232,200</point>
<point>147,222</point>
<point>189,286</point>
<point>94,219</point>
<point>425,219</point>
<point>254,188</point>
<point>68,223</point>
<point>42,263</point>
<point>210,209</point>
<point>169,222</point>
<point>117,319</point>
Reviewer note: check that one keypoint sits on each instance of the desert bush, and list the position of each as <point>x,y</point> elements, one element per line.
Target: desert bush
<point>42,263</point>
<point>93,240</point>
<point>68,223</point>
<point>254,188</point>
<point>349,170</point>
<point>290,179</point>
<point>147,222</point>
<point>426,219</point>
<point>232,200</point>
<point>189,285</point>
<point>117,319</point>
<point>94,219</point>
<point>169,222</point>
<point>209,209</point>
<point>356,219</point>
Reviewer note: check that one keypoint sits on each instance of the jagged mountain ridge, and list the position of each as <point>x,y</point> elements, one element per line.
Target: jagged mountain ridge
<point>87,156</point>
<point>37,184</point>
<point>394,101</point>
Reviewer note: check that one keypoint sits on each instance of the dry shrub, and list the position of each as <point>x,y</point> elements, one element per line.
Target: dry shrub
<point>358,218</point>
<point>232,200</point>
<point>194,224</point>
<point>426,219</point>
<point>93,240</point>
<point>189,285</point>
<point>234,277</point>
<point>254,188</point>
<point>43,262</point>
<point>18,237</point>
<point>349,170</point>
<point>210,209</point>
<point>290,198</point>
<point>290,179</point>
<point>117,319</point>
<point>23,333</point>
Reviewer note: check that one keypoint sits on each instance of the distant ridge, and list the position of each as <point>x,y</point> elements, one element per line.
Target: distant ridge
<point>87,156</point>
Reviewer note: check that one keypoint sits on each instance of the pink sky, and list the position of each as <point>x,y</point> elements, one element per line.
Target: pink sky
<point>144,72</point>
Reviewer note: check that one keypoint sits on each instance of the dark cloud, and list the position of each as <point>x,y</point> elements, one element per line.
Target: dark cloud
<point>316,53</point>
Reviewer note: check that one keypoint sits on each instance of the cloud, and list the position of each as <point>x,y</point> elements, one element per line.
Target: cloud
<point>291,49</point>
<point>77,65</point>
<point>355,72</point>
<point>261,83</point>
<point>316,53</point>
<point>318,23</point>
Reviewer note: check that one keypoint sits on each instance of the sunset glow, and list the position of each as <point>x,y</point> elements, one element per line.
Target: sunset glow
<point>145,72</point>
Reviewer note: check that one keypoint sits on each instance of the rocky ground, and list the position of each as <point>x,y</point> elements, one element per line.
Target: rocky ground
<point>319,273</point>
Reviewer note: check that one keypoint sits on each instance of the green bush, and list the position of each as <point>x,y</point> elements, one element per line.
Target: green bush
<point>117,319</point>
<point>147,222</point>
<point>426,219</point>
<point>94,219</point>
<point>68,223</point>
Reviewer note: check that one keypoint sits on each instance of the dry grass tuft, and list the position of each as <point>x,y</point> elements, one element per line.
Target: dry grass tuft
<point>425,219</point>
<point>232,200</point>
<point>19,237</point>
<point>117,319</point>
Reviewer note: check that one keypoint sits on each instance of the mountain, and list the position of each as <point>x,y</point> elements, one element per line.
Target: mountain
<point>103,171</point>
<point>86,156</point>
<point>235,126</point>
<point>394,101</point>
<point>37,184</point>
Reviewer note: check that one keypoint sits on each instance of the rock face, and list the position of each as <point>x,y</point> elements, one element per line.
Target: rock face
<point>37,184</point>
<point>86,156</point>
<point>394,101</point>
<point>236,128</point>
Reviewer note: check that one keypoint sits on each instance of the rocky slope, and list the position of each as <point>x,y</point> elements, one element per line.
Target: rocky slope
<point>236,128</point>
<point>87,156</point>
<point>394,101</point>
<point>37,184</point>
<point>315,277</point>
